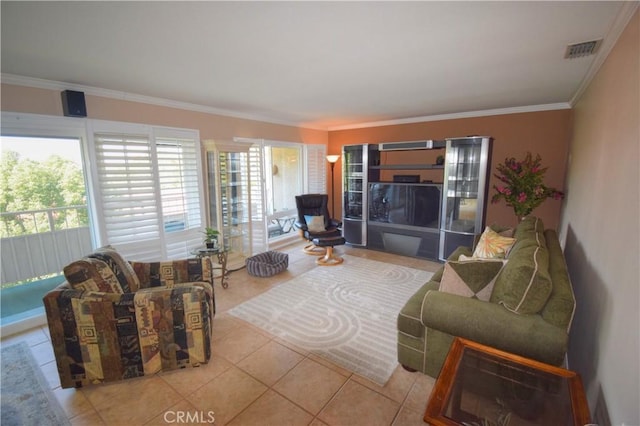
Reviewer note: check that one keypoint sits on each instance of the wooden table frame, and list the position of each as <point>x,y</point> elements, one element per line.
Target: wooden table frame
<point>443,389</point>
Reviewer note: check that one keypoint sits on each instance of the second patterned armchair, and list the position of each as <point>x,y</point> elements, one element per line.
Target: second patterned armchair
<point>113,320</point>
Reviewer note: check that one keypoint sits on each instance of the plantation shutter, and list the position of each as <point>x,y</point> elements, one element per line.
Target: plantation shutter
<point>148,196</point>
<point>128,214</point>
<point>180,195</point>
<point>316,169</point>
<point>256,187</point>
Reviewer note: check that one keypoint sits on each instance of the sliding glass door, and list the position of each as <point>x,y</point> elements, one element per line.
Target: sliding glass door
<point>273,173</point>
<point>283,183</point>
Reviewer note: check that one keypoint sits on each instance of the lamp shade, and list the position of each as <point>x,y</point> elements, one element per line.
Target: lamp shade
<point>333,158</point>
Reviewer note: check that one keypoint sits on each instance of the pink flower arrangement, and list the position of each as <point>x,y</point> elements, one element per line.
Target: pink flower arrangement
<point>522,185</point>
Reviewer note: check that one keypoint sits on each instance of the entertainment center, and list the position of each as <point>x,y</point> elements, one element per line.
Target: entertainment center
<point>400,197</point>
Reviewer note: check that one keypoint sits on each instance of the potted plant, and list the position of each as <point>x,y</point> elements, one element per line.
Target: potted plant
<point>522,185</point>
<point>211,237</point>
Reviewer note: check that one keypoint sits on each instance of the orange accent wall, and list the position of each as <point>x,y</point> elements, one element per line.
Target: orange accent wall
<point>547,133</point>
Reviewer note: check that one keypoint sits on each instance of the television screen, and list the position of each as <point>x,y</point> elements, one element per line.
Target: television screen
<point>410,204</point>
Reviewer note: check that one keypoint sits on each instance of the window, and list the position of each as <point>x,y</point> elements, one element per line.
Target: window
<point>277,172</point>
<point>139,190</point>
<point>127,188</point>
<point>148,192</point>
<point>286,178</point>
<point>178,184</point>
<point>44,222</point>
<point>289,169</point>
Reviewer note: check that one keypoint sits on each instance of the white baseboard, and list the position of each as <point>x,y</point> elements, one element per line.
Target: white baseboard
<point>36,320</point>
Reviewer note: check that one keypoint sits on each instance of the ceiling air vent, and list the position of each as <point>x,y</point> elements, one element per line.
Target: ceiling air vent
<point>579,50</point>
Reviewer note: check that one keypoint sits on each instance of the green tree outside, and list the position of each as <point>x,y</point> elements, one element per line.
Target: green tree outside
<point>27,185</point>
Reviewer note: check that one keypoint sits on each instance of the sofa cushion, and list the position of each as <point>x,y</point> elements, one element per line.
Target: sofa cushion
<point>492,245</point>
<point>530,224</point>
<point>170,273</point>
<point>122,269</point>
<point>524,284</point>
<point>473,278</point>
<point>560,307</point>
<point>92,275</point>
<point>531,229</point>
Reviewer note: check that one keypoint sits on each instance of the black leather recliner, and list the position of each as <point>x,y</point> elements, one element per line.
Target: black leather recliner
<point>310,205</point>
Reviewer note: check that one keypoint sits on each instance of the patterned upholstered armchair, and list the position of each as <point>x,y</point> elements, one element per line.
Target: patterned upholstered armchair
<point>113,320</point>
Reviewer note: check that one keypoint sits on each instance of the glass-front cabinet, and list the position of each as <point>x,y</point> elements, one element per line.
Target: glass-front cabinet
<point>465,192</point>
<point>355,177</point>
<point>234,199</point>
<point>229,200</point>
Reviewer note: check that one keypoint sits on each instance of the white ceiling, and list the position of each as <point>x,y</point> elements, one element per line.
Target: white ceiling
<point>325,65</point>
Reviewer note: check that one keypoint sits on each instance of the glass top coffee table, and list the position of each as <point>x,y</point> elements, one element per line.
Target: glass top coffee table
<point>482,386</point>
<point>221,254</point>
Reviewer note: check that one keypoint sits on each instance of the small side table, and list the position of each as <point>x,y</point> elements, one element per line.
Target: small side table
<point>281,225</point>
<point>479,385</point>
<point>221,255</point>
<point>286,223</point>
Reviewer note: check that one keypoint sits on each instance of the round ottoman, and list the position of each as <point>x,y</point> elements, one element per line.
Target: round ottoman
<point>267,264</point>
<point>330,258</point>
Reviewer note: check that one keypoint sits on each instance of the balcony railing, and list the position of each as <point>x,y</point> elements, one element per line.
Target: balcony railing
<point>41,242</point>
<point>43,220</point>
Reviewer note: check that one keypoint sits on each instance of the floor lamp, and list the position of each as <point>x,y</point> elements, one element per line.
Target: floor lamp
<point>332,159</point>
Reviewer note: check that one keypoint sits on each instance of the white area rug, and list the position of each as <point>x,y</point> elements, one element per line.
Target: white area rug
<point>346,313</point>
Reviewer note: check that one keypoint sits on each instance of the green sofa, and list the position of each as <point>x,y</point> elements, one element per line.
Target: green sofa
<point>529,312</point>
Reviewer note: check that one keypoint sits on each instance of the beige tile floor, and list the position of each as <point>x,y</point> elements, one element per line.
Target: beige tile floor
<point>253,378</point>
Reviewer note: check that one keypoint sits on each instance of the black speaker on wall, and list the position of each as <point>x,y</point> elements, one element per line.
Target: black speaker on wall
<point>73,104</point>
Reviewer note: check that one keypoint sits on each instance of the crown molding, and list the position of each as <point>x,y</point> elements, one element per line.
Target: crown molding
<point>621,21</point>
<point>38,83</point>
<point>131,97</point>
<point>453,116</point>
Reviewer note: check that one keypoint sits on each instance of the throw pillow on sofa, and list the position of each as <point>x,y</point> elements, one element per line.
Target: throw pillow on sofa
<point>493,245</point>
<point>504,231</point>
<point>473,279</point>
